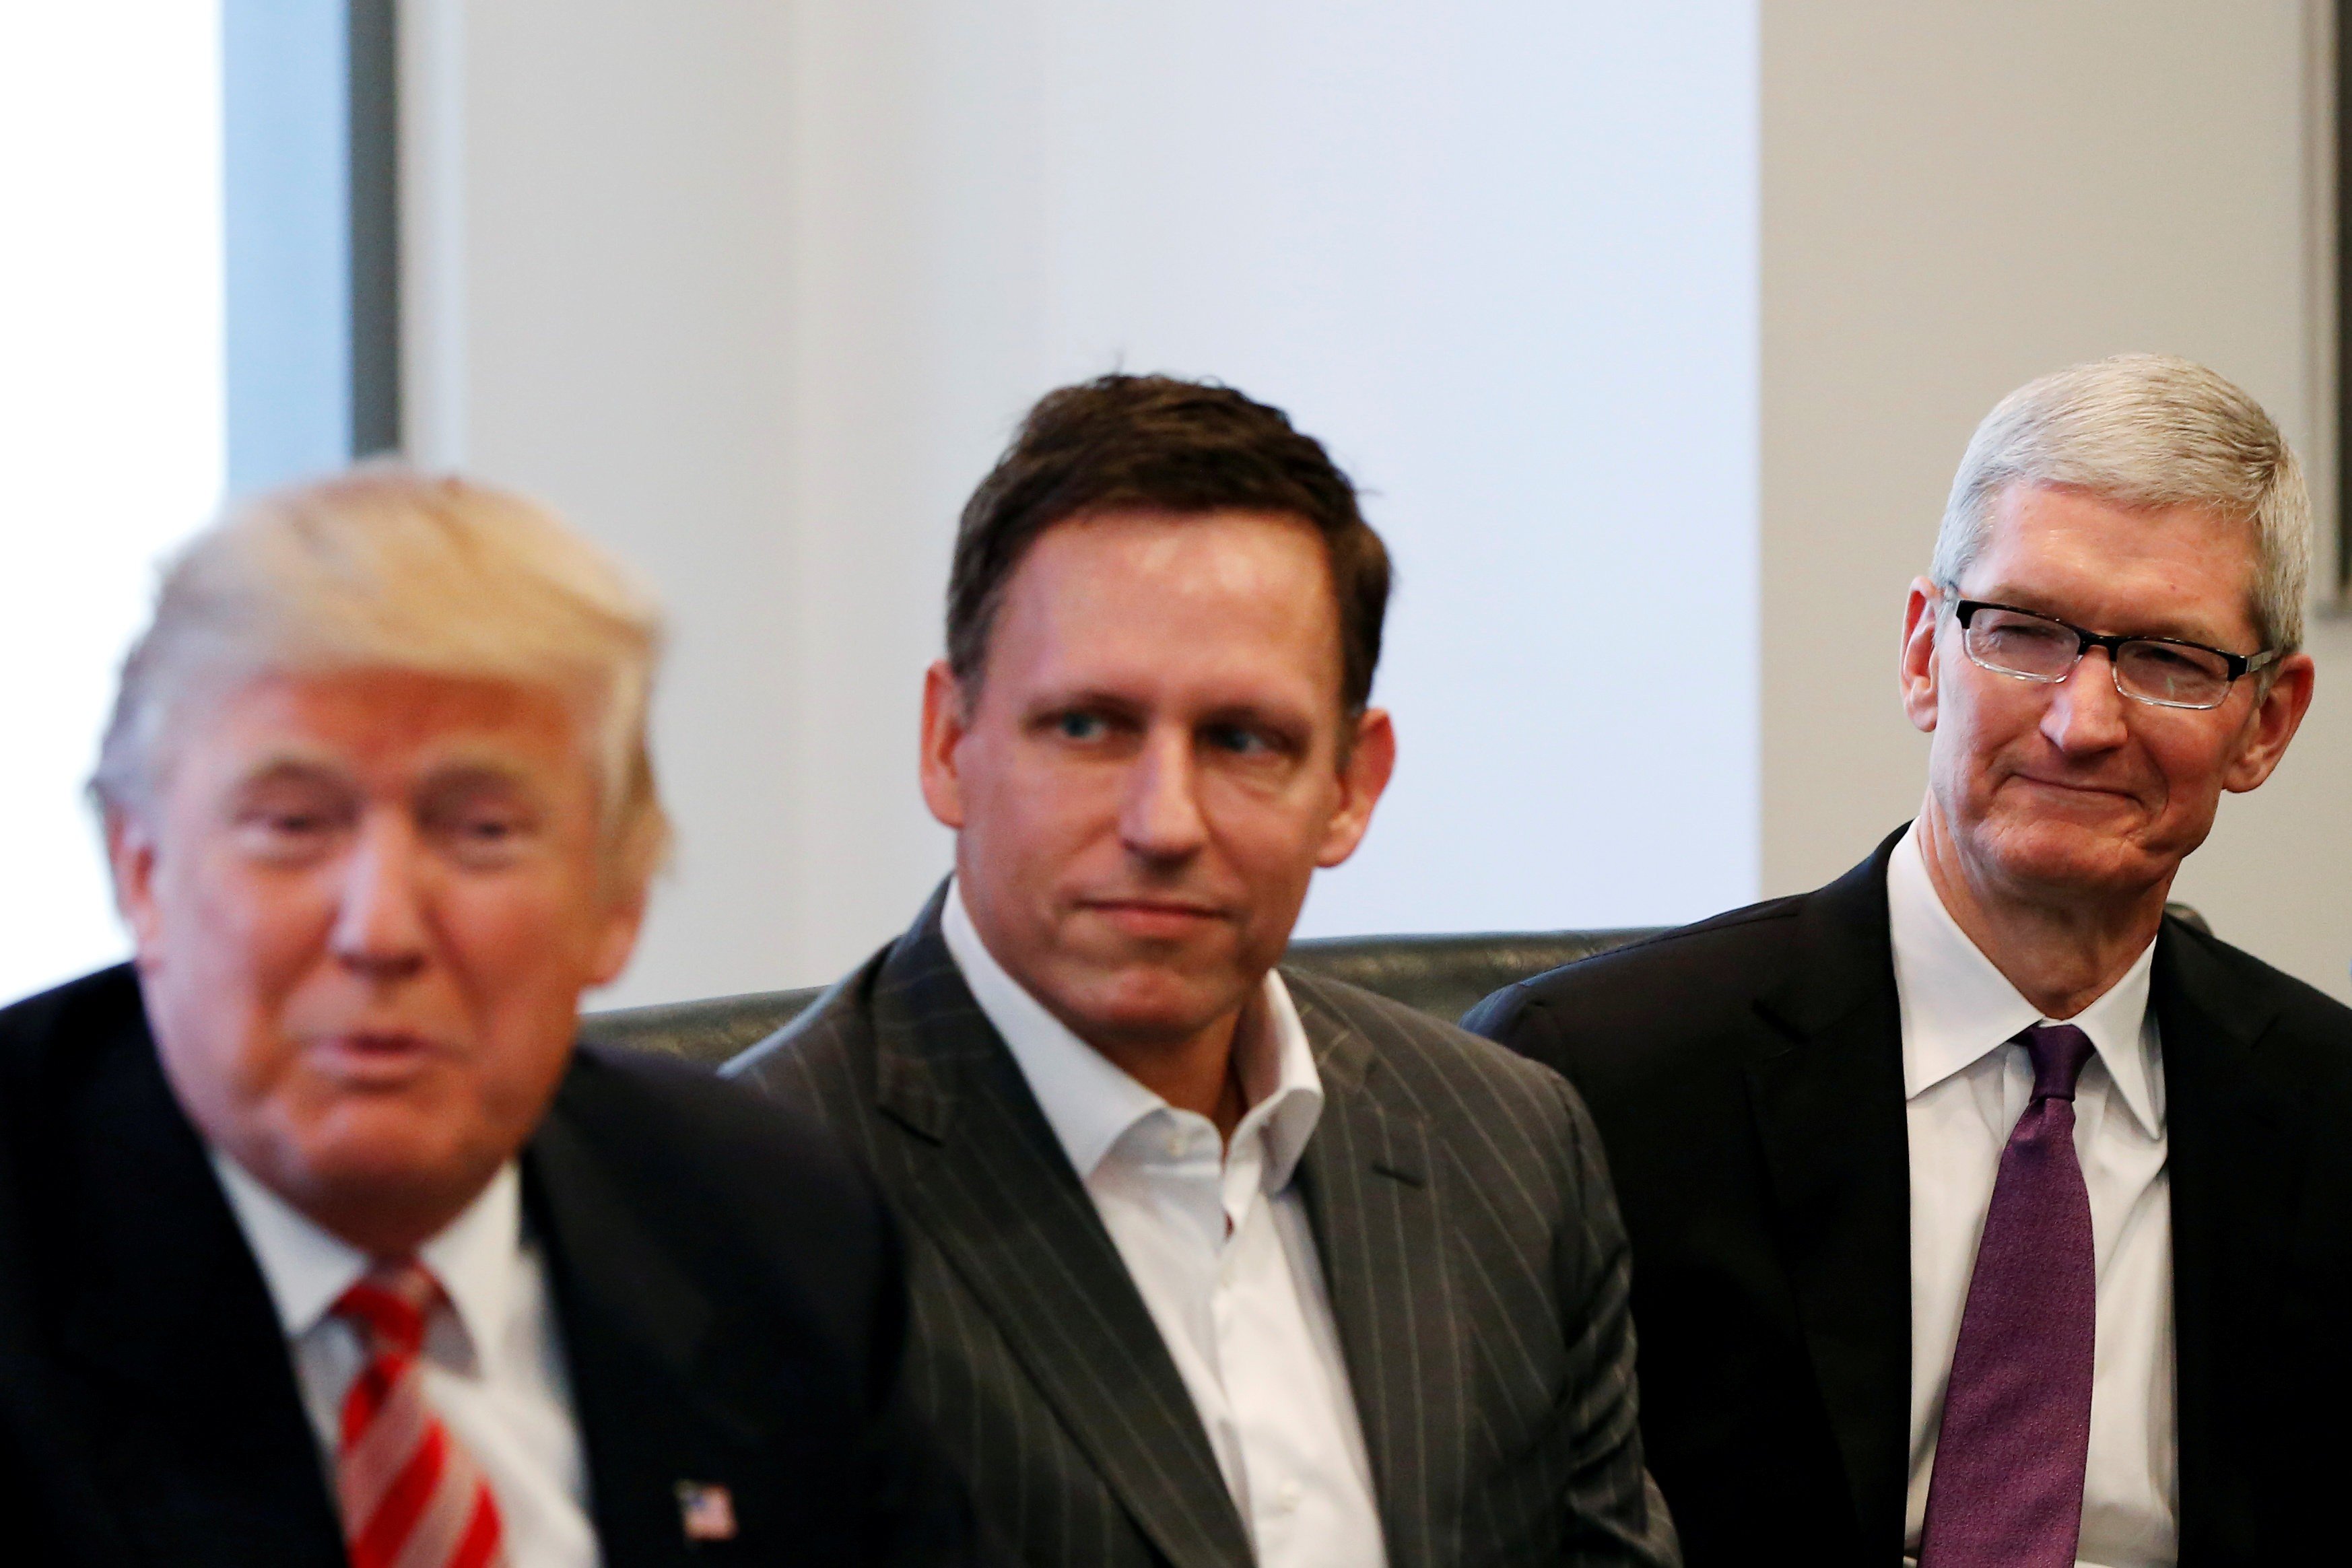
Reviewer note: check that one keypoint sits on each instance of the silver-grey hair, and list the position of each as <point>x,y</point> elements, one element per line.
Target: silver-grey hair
<point>2144,430</point>
<point>384,568</point>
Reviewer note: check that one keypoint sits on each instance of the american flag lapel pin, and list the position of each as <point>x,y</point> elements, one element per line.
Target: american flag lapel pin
<point>705,1511</point>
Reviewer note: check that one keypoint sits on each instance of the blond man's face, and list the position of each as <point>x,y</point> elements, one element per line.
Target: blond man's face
<point>365,906</point>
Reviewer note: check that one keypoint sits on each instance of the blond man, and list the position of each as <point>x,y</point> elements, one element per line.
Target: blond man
<point>318,1240</point>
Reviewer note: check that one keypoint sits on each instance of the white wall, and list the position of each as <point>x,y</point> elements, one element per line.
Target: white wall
<point>111,415</point>
<point>755,292</point>
<point>1957,198</point>
<point>596,287</point>
<point>755,289</point>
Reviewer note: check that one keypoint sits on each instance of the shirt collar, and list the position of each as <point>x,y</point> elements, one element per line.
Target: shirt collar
<point>307,1268</point>
<point>1958,1006</point>
<point>1090,1104</point>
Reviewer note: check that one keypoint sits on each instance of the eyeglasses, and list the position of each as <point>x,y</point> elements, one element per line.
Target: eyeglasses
<point>2163,671</point>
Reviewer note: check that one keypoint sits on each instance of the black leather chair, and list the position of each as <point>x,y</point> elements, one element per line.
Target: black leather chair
<point>1445,976</point>
<point>1442,976</point>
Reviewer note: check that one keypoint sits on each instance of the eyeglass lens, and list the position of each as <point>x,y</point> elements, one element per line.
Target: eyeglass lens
<point>2041,650</point>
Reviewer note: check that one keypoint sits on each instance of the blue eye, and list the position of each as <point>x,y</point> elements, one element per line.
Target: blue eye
<point>485,838</point>
<point>1241,742</point>
<point>1079,726</point>
<point>289,832</point>
<point>290,820</point>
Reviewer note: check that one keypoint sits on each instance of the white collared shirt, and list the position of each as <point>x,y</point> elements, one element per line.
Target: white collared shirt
<point>1965,1087</point>
<point>493,1364</point>
<point>1217,1241</point>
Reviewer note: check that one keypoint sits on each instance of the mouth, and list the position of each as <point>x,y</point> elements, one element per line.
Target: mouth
<point>2073,786</point>
<point>1154,919</point>
<point>2063,794</point>
<point>374,1057</point>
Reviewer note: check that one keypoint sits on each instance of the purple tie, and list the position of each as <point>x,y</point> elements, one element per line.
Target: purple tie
<point>2007,1490</point>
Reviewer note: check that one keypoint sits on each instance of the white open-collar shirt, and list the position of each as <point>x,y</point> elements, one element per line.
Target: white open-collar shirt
<point>494,1368</point>
<point>1964,1085</point>
<point>1217,1241</point>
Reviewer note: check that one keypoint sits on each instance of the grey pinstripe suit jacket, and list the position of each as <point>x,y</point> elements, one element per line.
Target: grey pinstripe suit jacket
<point>1477,1265</point>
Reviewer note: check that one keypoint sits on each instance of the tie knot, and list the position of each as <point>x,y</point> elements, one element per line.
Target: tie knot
<point>389,1305</point>
<point>2059,1052</point>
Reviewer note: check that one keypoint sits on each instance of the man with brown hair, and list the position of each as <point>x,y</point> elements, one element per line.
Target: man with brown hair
<point>1212,1264</point>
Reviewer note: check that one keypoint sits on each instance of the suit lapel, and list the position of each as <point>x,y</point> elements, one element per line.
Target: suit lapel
<point>2232,1165</point>
<point>991,1189</point>
<point>634,1328</point>
<point>166,1315</point>
<point>1367,1177</point>
<point>1828,1101</point>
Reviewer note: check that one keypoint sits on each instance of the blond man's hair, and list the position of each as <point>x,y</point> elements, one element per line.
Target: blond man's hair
<point>384,568</point>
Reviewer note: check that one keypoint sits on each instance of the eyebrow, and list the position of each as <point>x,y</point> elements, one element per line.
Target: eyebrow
<point>1096,697</point>
<point>1054,702</point>
<point>458,772</point>
<point>1282,718</point>
<point>294,766</point>
<point>467,773</point>
<point>2034,604</point>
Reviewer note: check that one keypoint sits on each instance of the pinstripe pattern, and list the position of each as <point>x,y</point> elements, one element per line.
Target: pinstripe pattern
<point>1476,1267</point>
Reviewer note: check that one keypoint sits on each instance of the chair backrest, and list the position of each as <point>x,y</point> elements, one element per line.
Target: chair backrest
<point>1444,977</point>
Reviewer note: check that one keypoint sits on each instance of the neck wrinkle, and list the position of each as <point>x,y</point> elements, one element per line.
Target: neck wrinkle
<point>2061,958</point>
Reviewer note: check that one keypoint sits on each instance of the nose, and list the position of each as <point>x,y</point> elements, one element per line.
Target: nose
<point>380,924</point>
<point>1161,819</point>
<point>2086,711</point>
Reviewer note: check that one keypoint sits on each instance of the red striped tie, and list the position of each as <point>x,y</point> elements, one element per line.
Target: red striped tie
<point>412,1497</point>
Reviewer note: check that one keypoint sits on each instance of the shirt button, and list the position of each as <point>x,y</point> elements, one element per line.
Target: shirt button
<point>1287,1496</point>
<point>1175,1145</point>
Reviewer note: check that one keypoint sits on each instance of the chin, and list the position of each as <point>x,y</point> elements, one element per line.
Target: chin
<point>385,1164</point>
<point>2070,856</point>
<point>1145,1004</point>
<point>391,1145</point>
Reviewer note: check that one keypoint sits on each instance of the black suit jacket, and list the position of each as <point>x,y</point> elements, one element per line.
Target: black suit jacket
<point>727,1291</point>
<point>1747,1076</point>
<point>1463,1222</point>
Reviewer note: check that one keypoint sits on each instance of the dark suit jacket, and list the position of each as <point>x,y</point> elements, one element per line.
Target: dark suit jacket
<point>728,1293</point>
<point>1747,1076</point>
<point>1463,1219</point>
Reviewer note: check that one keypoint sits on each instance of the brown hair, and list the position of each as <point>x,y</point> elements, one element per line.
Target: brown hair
<point>1158,443</point>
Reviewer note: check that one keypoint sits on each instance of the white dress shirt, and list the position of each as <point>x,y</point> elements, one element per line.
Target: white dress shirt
<point>1217,1241</point>
<point>493,1366</point>
<point>1965,1088</point>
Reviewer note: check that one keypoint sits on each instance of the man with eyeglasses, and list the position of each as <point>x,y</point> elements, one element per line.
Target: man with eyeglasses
<point>1983,1214</point>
